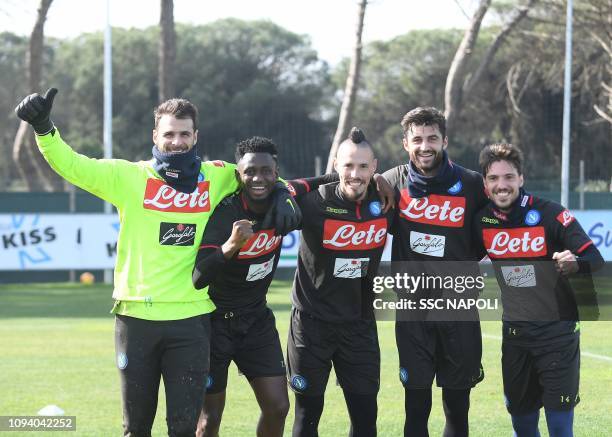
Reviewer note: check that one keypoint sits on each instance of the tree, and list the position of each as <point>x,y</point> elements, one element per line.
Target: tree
<point>31,167</point>
<point>167,51</point>
<point>350,89</point>
<point>247,78</point>
<point>458,86</point>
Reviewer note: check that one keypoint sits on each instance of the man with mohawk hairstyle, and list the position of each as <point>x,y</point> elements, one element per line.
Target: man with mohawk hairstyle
<point>332,320</point>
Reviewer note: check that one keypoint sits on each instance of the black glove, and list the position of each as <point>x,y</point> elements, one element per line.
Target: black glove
<point>285,212</point>
<point>36,109</point>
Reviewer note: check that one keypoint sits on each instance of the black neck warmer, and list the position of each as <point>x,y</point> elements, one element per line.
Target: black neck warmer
<point>180,170</point>
<point>421,186</point>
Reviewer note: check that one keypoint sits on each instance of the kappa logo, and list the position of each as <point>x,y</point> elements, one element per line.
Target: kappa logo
<point>565,218</point>
<point>489,220</point>
<point>209,381</point>
<point>427,244</point>
<point>260,271</point>
<point>515,243</point>
<point>519,276</point>
<point>351,268</point>
<point>448,211</point>
<point>161,197</point>
<point>338,211</point>
<point>177,234</point>
<point>342,235</point>
<point>261,243</point>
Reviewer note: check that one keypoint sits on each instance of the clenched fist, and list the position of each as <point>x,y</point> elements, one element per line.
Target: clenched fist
<point>242,230</point>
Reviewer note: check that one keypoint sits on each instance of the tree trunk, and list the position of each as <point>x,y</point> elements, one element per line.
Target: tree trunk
<point>30,164</point>
<point>453,93</point>
<point>457,87</point>
<point>167,51</point>
<point>350,90</point>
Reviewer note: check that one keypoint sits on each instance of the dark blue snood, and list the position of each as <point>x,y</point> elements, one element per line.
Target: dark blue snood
<point>180,170</point>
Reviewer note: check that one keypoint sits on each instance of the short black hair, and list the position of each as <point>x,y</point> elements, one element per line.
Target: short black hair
<point>256,145</point>
<point>501,152</point>
<point>178,108</point>
<point>424,116</point>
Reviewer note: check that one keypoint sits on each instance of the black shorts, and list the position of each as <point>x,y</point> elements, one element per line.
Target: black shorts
<point>544,375</point>
<point>250,340</point>
<point>450,351</point>
<point>175,350</point>
<point>314,345</point>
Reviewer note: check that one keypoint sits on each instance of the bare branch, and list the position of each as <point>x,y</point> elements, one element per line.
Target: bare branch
<point>350,90</point>
<point>453,90</point>
<point>603,114</point>
<point>510,87</point>
<point>494,47</point>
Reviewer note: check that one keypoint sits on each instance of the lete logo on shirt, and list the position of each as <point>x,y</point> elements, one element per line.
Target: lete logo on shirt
<point>162,197</point>
<point>341,235</point>
<point>515,243</point>
<point>434,209</point>
<point>262,243</point>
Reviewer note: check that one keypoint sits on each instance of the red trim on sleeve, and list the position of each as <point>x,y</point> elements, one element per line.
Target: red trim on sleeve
<point>209,246</point>
<point>303,182</point>
<point>530,200</point>
<point>584,246</point>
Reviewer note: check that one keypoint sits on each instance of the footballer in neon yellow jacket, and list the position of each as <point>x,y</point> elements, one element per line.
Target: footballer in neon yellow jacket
<point>160,227</point>
<point>162,323</point>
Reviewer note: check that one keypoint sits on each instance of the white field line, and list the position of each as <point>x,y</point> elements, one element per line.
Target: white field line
<point>584,353</point>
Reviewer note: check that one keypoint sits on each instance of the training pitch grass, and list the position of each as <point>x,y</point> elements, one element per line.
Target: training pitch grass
<point>58,348</point>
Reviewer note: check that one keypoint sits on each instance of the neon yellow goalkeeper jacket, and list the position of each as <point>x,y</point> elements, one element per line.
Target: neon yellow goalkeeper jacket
<point>160,228</point>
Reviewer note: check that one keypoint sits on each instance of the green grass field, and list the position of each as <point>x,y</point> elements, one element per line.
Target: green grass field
<point>57,348</point>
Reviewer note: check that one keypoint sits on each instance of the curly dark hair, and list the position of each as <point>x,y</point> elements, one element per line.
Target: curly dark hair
<point>256,145</point>
<point>424,116</point>
<point>500,152</point>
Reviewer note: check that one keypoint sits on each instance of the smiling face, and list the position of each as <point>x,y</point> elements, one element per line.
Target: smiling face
<point>257,173</point>
<point>174,135</point>
<point>503,183</point>
<point>425,145</point>
<point>355,166</point>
